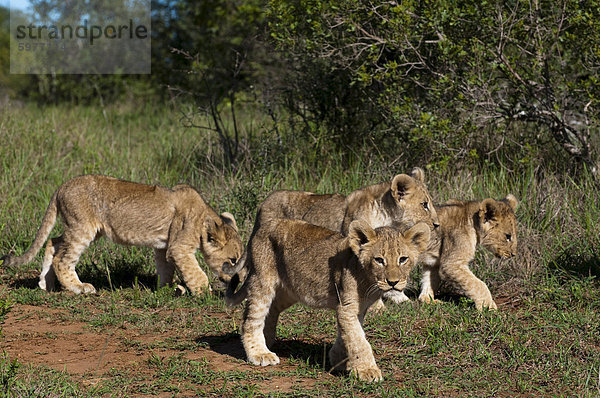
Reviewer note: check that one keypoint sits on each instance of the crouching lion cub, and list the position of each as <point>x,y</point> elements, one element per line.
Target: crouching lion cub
<point>464,225</point>
<point>175,222</point>
<point>292,261</point>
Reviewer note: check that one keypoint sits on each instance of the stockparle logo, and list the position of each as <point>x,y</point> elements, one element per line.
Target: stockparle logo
<point>91,37</point>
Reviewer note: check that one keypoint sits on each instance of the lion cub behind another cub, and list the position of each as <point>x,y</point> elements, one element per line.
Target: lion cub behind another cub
<point>464,225</point>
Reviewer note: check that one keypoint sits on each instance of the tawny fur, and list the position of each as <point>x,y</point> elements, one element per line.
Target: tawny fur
<point>463,225</point>
<point>292,261</point>
<point>174,222</point>
<point>403,199</point>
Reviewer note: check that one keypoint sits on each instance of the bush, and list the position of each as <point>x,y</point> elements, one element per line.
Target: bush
<point>445,79</point>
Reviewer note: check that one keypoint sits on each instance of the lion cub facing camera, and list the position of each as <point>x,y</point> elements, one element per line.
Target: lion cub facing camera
<point>174,222</point>
<point>291,261</point>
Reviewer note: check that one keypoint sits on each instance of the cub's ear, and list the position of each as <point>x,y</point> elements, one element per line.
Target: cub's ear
<point>488,210</point>
<point>228,219</point>
<point>512,201</point>
<point>418,174</point>
<point>360,233</point>
<point>419,234</point>
<point>211,228</point>
<point>402,185</point>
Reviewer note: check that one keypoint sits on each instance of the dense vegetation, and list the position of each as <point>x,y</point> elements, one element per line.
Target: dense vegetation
<point>439,83</point>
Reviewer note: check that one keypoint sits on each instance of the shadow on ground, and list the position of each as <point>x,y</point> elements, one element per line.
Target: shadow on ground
<point>578,263</point>
<point>230,344</point>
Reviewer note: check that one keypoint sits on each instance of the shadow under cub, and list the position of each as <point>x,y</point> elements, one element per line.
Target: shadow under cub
<point>230,344</point>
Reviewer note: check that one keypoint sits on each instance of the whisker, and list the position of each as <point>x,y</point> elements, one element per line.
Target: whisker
<point>372,289</point>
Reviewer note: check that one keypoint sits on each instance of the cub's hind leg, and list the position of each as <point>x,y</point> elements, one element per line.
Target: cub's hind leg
<point>48,276</point>
<point>260,300</point>
<point>281,302</point>
<point>66,257</point>
<point>164,269</point>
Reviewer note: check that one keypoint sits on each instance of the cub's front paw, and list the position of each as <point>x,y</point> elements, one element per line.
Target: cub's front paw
<point>88,288</point>
<point>84,288</point>
<point>196,290</point>
<point>428,299</point>
<point>264,359</point>
<point>490,305</point>
<point>367,374</point>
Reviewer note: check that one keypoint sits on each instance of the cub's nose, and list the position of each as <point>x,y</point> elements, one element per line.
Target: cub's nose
<point>228,266</point>
<point>392,283</point>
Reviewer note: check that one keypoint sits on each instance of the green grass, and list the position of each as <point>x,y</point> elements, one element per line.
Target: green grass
<point>544,341</point>
<point>26,381</point>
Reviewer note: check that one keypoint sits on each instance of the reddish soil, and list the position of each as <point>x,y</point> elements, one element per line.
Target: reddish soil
<point>40,336</point>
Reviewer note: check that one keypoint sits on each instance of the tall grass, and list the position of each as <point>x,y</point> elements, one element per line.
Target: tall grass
<point>42,147</point>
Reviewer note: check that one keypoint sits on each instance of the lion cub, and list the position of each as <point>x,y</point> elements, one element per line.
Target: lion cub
<point>404,198</point>
<point>464,225</point>
<point>175,222</point>
<point>292,261</point>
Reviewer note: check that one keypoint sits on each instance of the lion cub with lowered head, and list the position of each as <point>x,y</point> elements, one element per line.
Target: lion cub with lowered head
<point>175,222</point>
<point>290,261</point>
<point>464,225</point>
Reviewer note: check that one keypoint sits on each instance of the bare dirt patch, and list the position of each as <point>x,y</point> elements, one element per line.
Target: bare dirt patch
<point>38,336</point>
<point>42,337</point>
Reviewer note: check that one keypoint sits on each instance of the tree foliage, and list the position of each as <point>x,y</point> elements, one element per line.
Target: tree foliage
<point>441,73</point>
<point>10,85</point>
<point>210,55</point>
<point>432,81</point>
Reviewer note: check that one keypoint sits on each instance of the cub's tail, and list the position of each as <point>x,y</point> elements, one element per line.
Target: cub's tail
<point>40,237</point>
<point>231,296</point>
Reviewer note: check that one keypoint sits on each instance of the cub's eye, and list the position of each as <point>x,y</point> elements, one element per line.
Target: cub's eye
<point>210,239</point>
<point>508,237</point>
<point>402,260</point>
<point>425,205</point>
<point>379,260</point>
